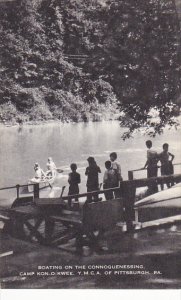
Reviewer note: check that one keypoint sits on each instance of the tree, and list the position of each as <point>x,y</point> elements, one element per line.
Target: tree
<point>138,53</point>
<point>37,79</point>
<point>96,53</point>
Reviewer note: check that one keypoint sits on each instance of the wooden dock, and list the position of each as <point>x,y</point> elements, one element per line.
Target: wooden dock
<point>51,221</point>
<point>41,231</point>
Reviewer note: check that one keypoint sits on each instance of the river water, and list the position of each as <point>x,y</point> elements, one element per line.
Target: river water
<point>21,147</point>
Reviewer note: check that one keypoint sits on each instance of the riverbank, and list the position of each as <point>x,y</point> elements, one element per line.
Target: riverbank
<point>90,117</point>
<point>55,121</point>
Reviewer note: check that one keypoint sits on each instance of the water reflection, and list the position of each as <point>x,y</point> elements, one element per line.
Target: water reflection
<point>31,130</point>
<point>20,129</point>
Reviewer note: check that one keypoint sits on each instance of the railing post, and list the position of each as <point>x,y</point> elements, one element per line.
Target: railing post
<point>36,190</point>
<point>130,175</point>
<point>17,191</point>
<point>136,216</point>
<point>128,193</point>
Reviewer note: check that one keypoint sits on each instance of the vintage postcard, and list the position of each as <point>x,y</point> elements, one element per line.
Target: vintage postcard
<point>90,144</point>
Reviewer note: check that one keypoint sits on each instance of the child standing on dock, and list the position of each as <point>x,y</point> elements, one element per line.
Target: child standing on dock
<point>152,160</point>
<point>73,180</point>
<point>108,180</point>
<point>166,159</point>
<point>117,172</point>
<point>151,165</point>
<point>92,173</point>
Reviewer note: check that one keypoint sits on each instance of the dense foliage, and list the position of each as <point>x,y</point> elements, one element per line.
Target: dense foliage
<point>73,59</point>
<point>37,82</point>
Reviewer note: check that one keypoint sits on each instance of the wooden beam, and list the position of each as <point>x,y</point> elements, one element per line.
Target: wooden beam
<point>7,253</point>
<point>158,180</point>
<point>60,201</point>
<point>158,167</point>
<point>69,219</point>
<point>3,1</point>
<point>4,218</point>
<point>34,232</point>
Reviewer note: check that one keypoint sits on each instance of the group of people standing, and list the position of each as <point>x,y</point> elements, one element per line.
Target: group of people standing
<point>112,175</point>
<point>111,179</point>
<point>153,157</point>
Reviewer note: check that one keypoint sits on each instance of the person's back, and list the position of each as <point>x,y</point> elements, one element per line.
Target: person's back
<point>166,159</point>
<point>117,173</point>
<point>39,174</point>
<point>151,165</point>
<point>116,168</point>
<point>108,180</point>
<point>152,160</point>
<point>109,176</point>
<point>73,180</point>
<point>152,157</point>
<point>92,172</point>
<point>51,167</point>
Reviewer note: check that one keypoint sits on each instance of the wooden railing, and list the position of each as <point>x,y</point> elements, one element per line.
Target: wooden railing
<point>125,194</point>
<point>127,186</point>
<point>131,172</point>
<point>36,189</point>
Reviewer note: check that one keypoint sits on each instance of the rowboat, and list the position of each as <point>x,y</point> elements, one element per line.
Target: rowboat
<point>46,181</point>
<point>43,182</point>
<point>163,204</point>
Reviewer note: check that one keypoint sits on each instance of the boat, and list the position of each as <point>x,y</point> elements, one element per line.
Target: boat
<point>166,203</point>
<point>45,182</point>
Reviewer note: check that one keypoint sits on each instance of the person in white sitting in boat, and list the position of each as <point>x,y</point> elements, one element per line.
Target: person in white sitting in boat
<point>39,174</point>
<point>51,167</point>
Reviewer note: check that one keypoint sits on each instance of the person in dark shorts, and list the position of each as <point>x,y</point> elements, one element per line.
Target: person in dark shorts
<point>166,159</point>
<point>151,165</point>
<point>92,173</point>
<point>108,180</point>
<point>73,180</point>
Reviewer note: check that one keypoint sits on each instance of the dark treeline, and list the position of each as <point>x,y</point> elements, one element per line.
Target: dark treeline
<point>125,54</point>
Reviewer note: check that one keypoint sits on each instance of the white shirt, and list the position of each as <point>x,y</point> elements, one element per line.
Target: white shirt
<point>51,166</point>
<point>38,173</point>
<point>109,176</point>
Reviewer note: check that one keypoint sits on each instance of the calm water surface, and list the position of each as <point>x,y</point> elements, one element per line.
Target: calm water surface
<point>20,148</point>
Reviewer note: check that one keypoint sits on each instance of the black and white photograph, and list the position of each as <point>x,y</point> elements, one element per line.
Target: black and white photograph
<point>90,144</point>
